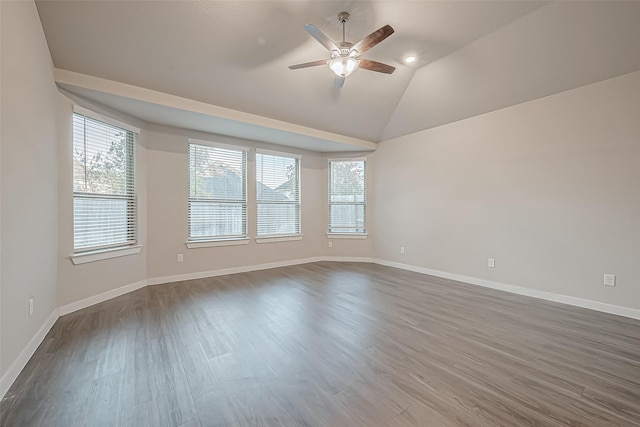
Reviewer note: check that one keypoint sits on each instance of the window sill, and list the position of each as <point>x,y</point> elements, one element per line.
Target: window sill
<point>83,258</point>
<point>274,239</point>
<point>214,243</point>
<point>347,235</point>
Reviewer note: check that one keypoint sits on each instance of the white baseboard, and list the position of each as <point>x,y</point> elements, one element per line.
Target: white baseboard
<point>105,296</point>
<point>534,293</point>
<point>232,270</point>
<point>348,259</point>
<point>87,302</point>
<point>545,295</point>
<point>16,367</point>
<point>549,296</point>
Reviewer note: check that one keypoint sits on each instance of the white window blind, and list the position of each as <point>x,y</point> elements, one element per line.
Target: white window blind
<point>217,193</point>
<point>347,196</point>
<point>104,202</point>
<point>278,194</point>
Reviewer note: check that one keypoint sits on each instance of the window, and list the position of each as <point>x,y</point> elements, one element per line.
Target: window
<point>278,194</point>
<point>217,192</point>
<point>104,202</point>
<point>347,196</point>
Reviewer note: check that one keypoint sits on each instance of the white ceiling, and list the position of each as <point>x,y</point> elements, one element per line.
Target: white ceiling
<point>221,66</point>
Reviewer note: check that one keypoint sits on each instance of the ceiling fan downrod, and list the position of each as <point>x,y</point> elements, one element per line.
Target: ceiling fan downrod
<point>343,17</point>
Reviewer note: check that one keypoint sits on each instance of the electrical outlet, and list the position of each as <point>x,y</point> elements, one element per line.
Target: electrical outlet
<point>180,257</point>
<point>609,279</point>
<point>402,249</point>
<point>330,244</point>
<point>30,306</point>
<point>491,263</point>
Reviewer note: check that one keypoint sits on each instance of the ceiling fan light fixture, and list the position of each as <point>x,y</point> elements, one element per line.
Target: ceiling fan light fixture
<point>343,65</point>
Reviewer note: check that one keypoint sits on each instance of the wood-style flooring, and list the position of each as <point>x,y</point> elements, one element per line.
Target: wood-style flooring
<point>330,344</point>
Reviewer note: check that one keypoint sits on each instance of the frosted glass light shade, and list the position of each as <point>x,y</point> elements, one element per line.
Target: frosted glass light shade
<point>343,65</point>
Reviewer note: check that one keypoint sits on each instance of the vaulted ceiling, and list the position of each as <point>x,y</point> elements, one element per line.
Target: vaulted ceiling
<point>221,66</point>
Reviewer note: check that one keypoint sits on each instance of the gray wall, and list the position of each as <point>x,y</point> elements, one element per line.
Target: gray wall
<point>548,188</point>
<point>161,184</point>
<point>77,282</point>
<point>29,174</point>
<point>168,176</point>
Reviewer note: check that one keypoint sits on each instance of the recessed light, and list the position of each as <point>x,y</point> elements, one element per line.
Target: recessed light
<point>409,59</point>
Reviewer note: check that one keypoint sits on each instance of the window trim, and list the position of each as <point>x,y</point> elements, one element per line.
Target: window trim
<point>273,238</point>
<point>105,119</point>
<point>130,247</point>
<point>279,238</point>
<point>196,242</point>
<point>218,145</point>
<point>360,236</point>
<point>278,153</point>
<point>346,235</point>
<point>101,254</point>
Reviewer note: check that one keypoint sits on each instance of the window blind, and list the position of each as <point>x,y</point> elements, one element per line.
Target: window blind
<point>278,194</point>
<point>347,196</point>
<point>217,193</point>
<point>104,202</point>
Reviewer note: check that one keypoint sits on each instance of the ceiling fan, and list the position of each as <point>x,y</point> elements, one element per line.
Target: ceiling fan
<point>345,56</point>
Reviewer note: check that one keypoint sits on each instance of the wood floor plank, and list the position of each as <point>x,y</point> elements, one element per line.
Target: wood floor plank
<point>330,344</point>
<point>171,389</point>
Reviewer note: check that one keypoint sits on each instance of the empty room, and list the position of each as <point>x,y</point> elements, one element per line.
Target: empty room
<point>319,213</point>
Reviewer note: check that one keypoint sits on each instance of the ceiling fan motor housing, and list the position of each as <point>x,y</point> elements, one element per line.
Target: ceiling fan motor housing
<point>344,50</point>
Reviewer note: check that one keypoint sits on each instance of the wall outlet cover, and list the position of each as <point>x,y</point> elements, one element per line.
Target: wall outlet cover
<point>609,279</point>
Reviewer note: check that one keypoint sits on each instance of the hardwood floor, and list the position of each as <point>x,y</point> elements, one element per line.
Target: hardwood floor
<point>330,344</point>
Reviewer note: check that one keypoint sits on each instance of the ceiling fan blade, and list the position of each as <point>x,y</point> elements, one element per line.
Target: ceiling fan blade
<point>339,82</point>
<point>321,37</point>
<point>373,39</point>
<point>309,64</point>
<point>370,65</point>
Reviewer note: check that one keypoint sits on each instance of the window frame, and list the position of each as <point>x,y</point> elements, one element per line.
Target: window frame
<point>226,240</point>
<point>130,245</point>
<point>272,238</point>
<point>331,232</point>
